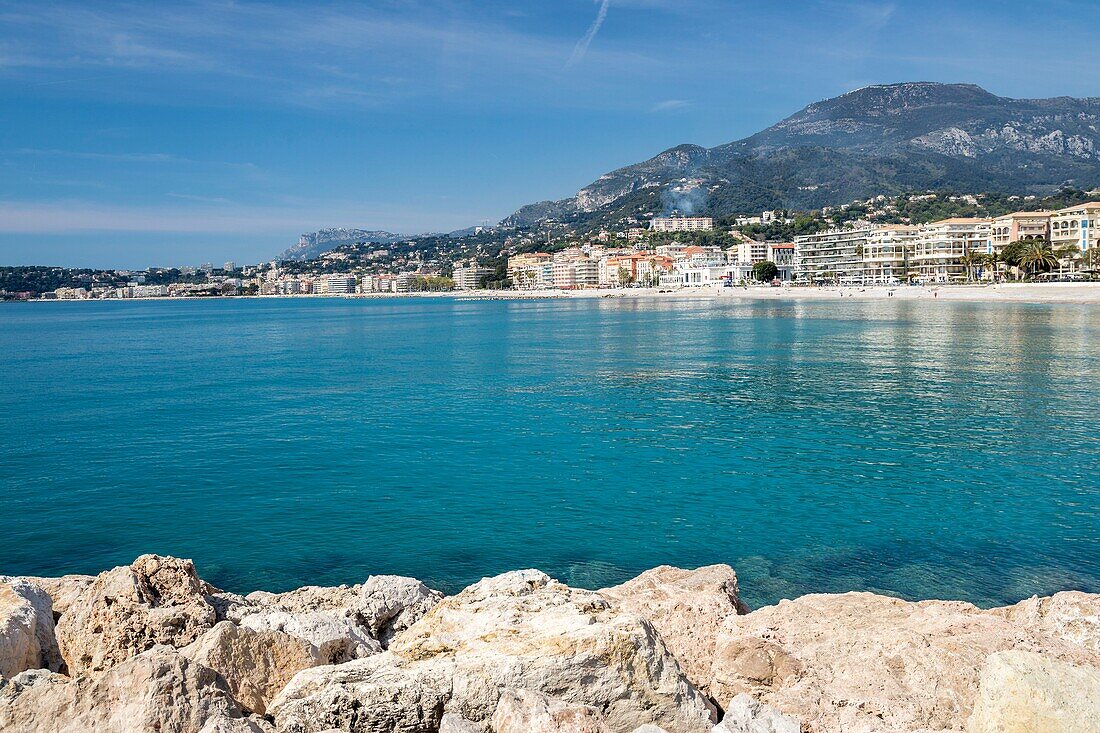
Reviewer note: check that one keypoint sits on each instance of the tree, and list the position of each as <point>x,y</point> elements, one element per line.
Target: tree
<point>765,271</point>
<point>1037,257</point>
<point>625,278</point>
<point>971,260</point>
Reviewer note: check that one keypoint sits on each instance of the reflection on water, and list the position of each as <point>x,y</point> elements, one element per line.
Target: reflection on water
<point>914,448</point>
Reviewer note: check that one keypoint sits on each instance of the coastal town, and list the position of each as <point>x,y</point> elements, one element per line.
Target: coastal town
<point>861,244</point>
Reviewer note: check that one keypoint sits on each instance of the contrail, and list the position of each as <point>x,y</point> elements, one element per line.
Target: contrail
<point>583,44</point>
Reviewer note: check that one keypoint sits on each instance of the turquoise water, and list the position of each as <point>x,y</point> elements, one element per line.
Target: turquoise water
<point>924,449</point>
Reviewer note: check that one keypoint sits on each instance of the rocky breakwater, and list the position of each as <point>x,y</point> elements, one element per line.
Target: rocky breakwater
<point>152,647</point>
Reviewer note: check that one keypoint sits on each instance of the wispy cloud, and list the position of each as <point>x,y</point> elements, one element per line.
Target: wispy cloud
<point>670,105</point>
<point>581,49</point>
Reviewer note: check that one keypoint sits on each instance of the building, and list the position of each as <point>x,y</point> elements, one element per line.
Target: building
<point>681,223</point>
<point>940,249</point>
<point>749,252</point>
<point>229,266</point>
<point>339,284</point>
<point>1078,226</point>
<point>832,256</point>
<point>575,273</point>
<point>469,276</point>
<point>1017,227</point>
<point>781,253</point>
<point>524,270</point>
<point>886,253</point>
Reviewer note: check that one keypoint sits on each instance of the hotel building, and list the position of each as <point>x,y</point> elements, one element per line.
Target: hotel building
<point>1020,226</point>
<point>1076,226</point>
<point>681,223</point>
<point>940,247</point>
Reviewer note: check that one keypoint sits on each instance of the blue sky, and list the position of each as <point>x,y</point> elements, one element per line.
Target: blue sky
<point>157,133</point>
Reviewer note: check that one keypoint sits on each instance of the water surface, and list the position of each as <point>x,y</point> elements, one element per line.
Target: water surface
<point>923,449</point>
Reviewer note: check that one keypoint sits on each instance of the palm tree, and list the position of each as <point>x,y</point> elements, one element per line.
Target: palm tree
<point>970,260</point>
<point>1037,255</point>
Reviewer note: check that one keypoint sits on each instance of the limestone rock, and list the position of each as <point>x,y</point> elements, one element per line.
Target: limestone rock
<point>256,665</point>
<point>649,728</point>
<point>1023,692</point>
<point>27,639</point>
<point>157,690</point>
<point>745,715</point>
<point>1071,616</point>
<point>389,604</point>
<point>687,607</point>
<point>858,662</point>
<point>363,696</point>
<point>125,611</point>
<point>62,591</point>
<point>382,606</point>
<point>451,723</point>
<point>520,630</point>
<point>336,638</point>
<point>523,711</point>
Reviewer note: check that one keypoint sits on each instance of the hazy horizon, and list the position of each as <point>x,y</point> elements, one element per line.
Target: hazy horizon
<point>139,135</point>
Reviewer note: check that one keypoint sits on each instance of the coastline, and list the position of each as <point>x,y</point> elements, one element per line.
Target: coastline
<point>152,646</point>
<point>1034,293</point>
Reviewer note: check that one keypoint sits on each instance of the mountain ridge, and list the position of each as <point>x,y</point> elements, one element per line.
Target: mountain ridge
<point>882,138</point>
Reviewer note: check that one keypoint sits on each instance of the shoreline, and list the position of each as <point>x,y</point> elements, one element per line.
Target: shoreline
<point>1033,293</point>
<point>669,651</point>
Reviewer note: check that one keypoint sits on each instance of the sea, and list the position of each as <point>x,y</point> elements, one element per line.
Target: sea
<point>921,449</point>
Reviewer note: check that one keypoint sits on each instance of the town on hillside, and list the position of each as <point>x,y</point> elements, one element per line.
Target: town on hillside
<point>921,238</point>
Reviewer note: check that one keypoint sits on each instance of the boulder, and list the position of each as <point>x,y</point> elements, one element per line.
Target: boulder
<point>157,690</point>
<point>520,630</point>
<point>125,611</point>
<point>62,591</point>
<point>688,609</point>
<point>524,711</point>
<point>335,638</point>
<point>1023,692</point>
<point>27,639</point>
<point>745,715</point>
<point>382,606</point>
<point>363,696</point>
<point>859,662</point>
<point>255,665</point>
<point>1071,616</point>
<point>649,728</point>
<point>389,604</point>
<point>451,723</point>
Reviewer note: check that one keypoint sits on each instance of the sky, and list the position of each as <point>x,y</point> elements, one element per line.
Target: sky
<point>173,133</point>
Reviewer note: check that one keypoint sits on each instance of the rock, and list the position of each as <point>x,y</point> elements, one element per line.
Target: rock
<point>125,611</point>
<point>20,683</point>
<point>62,591</point>
<point>745,715</point>
<point>256,665</point>
<point>858,662</point>
<point>27,639</point>
<point>157,690</point>
<point>649,728</point>
<point>451,723</point>
<point>389,604</point>
<point>1023,692</point>
<point>336,638</point>
<point>382,607</point>
<point>523,711</point>
<point>363,696</point>
<point>1071,616</point>
<point>520,630</point>
<point>687,607</point>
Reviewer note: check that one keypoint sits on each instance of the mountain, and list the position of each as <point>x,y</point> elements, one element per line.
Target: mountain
<point>880,139</point>
<point>311,245</point>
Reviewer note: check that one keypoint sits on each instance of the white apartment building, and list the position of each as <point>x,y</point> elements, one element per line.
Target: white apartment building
<point>886,253</point>
<point>681,223</point>
<point>940,248</point>
<point>832,256</point>
<point>339,284</point>
<point>750,252</point>
<point>576,273</point>
<point>469,276</point>
<point>1076,226</point>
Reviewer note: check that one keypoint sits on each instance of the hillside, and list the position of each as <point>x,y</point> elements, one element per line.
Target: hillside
<point>877,140</point>
<point>311,245</point>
